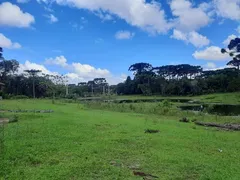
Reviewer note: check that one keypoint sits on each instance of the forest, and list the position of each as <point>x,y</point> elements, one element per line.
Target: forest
<point>168,80</point>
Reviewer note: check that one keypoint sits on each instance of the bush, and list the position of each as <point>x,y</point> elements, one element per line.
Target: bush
<point>13,119</point>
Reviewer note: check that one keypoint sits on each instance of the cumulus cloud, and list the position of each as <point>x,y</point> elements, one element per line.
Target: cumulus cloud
<point>210,66</point>
<point>189,18</point>
<point>139,13</point>
<point>52,18</point>
<point>124,35</point>
<point>228,40</point>
<point>211,53</point>
<point>30,65</point>
<point>78,72</point>
<point>7,43</point>
<point>228,8</point>
<point>88,71</point>
<point>59,60</point>
<point>193,37</point>
<point>12,15</point>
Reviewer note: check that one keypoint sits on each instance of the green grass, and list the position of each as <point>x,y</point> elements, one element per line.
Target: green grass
<point>228,98</point>
<point>79,143</point>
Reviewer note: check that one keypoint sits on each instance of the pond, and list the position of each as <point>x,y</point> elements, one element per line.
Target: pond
<point>219,109</point>
<point>143,100</point>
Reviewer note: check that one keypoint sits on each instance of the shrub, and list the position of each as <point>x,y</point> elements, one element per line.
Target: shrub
<point>13,119</point>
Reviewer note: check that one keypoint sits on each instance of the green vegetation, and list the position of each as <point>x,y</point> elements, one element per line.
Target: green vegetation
<point>166,80</point>
<point>75,142</point>
<point>96,131</point>
<point>226,98</point>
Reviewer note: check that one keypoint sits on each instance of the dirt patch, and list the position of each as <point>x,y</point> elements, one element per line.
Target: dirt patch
<point>151,131</point>
<point>234,127</point>
<point>144,175</point>
<point>4,120</point>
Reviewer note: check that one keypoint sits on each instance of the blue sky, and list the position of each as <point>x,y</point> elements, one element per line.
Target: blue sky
<point>84,39</point>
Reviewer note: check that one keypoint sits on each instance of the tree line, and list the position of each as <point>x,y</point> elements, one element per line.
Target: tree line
<point>34,83</point>
<point>182,79</point>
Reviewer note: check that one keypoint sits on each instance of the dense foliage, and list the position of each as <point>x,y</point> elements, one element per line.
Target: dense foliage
<point>181,80</point>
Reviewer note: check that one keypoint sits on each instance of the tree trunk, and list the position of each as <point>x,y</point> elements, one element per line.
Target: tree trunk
<point>92,90</point>
<point>33,88</point>
<point>66,90</point>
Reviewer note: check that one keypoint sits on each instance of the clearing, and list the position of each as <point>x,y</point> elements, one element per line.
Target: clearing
<point>74,142</point>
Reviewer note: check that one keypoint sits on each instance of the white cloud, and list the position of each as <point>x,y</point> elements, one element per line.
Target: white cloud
<point>59,60</point>
<point>210,66</point>
<point>23,1</point>
<point>44,1</point>
<point>116,79</point>
<point>238,29</point>
<point>228,40</point>
<point>189,18</point>
<point>228,8</point>
<point>147,16</point>
<point>193,37</point>
<point>29,65</point>
<point>52,18</point>
<point>197,39</point>
<point>179,35</point>
<point>76,72</point>
<point>211,53</point>
<point>104,16</point>
<point>12,15</point>
<point>48,9</point>
<point>74,78</point>
<point>7,43</point>
<point>76,26</point>
<point>124,35</point>
<point>88,71</point>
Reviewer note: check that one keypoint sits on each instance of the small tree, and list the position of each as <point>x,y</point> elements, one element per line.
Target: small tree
<point>57,81</point>
<point>33,73</point>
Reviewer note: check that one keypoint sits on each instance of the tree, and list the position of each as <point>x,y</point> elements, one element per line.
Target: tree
<point>139,68</point>
<point>100,83</point>
<point>33,73</point>
<point>7,66</point>
<point>235,62</point>
<point>234,51</point>
<point>1,54</point>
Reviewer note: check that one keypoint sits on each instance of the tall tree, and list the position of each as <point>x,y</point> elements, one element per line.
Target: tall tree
<point>33,73</point>
<point>140,68</point>
<point>234,52</point>
<point>1,54</point>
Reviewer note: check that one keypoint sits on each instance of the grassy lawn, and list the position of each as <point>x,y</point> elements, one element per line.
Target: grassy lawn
<point>79,143</point>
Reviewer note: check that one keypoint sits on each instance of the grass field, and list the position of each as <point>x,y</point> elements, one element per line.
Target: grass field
<point>74,142</point>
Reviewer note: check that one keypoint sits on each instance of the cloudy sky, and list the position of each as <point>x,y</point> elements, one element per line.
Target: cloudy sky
<point>85,39</point>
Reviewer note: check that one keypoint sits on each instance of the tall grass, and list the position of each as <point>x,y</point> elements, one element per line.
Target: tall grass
<point>164,108</point>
